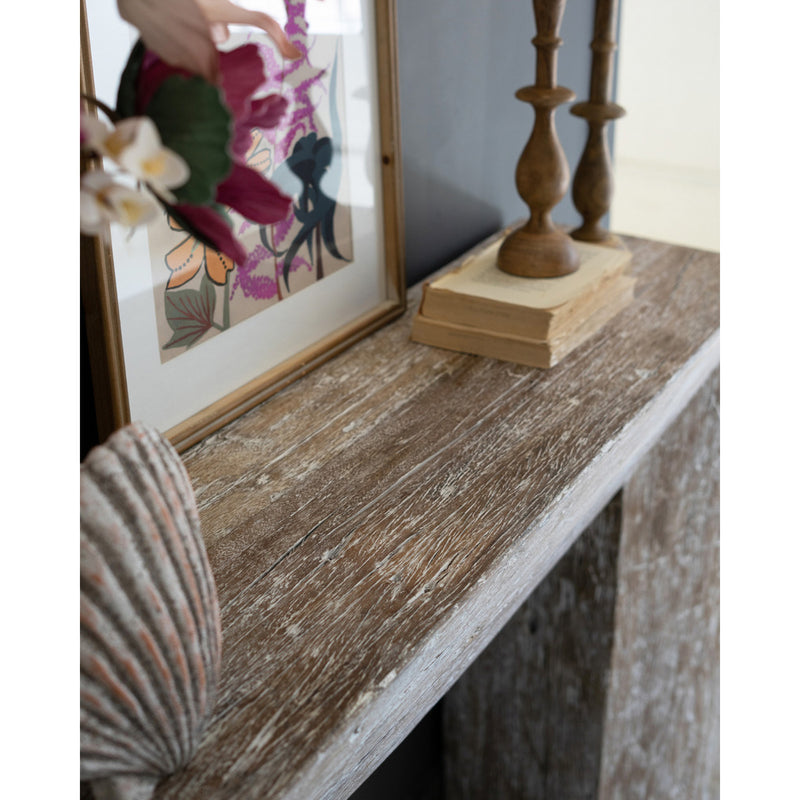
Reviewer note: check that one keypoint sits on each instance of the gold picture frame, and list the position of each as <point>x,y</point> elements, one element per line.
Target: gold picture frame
<point>116,379</point>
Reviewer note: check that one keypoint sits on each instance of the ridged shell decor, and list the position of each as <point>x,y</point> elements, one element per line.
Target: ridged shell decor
<point>150,627</point>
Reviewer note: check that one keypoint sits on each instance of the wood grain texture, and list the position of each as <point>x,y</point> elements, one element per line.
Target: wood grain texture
<point>374,525</point>
<point>526,719</point>
<point>546,712</point>
<point>662,727</point>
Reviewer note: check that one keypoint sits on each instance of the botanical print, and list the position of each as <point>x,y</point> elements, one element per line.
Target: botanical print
<point>199,292</point>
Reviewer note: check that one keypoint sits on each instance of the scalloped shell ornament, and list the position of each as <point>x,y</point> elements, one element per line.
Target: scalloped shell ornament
<point>150,625</point>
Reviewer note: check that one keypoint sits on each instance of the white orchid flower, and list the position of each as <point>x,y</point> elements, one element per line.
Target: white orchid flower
<point>93,131</point>
<point>136,146</point>
<point>103,200</point>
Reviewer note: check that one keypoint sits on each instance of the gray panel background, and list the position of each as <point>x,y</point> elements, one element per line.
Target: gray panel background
<point>462,129</point>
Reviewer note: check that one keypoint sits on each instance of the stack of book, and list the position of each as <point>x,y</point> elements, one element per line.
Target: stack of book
<point>478,309</point>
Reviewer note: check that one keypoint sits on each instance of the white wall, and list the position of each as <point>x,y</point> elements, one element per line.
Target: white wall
<point>666,152</point>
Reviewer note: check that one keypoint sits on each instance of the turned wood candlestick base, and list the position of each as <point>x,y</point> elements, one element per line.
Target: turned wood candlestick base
<point>530,253</point>
<point>539,249</point>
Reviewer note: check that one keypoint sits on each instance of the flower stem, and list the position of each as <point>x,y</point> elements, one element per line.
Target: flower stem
<point>109,112</point>
<point>226,305</point>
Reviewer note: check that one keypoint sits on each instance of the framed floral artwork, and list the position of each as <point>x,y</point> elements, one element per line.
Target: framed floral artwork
<point>186,338</point>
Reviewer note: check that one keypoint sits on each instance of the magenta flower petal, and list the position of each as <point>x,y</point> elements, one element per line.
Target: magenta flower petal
<point>241,74</point>
<point>240,142</point>
<point>267,112</point>
<point>254,197</point>
<point>214,227</point>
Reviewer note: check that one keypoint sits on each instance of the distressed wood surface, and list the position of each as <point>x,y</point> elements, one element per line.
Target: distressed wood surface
<point>662,721</point>
<point>373,526</point>
<point>550,709</point>
<point>525,721</point>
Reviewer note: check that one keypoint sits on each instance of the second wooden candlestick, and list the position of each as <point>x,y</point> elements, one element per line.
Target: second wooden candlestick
<point>594,181</point>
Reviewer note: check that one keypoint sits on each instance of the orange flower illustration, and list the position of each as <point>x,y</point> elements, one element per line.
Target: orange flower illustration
<point>186,259</point>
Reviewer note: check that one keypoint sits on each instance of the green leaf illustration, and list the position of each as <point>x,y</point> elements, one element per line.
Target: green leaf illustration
<point>190,313</point>
<point>194,122</point>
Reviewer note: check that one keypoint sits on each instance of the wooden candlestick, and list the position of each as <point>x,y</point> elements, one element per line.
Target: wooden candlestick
<point>593,185</point>
<point>539,249</point>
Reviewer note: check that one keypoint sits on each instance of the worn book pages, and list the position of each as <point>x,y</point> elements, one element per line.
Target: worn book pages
<point>519,349</point>
<point>480,295</point>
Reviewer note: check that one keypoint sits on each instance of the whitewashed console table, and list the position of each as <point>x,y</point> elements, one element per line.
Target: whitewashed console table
<point>373,527</point>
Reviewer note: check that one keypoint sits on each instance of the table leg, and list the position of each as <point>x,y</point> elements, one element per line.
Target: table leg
<point>605,683</point>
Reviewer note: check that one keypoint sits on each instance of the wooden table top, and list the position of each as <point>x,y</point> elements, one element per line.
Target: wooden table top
<point>374,525</point>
